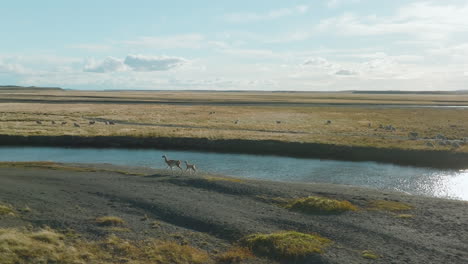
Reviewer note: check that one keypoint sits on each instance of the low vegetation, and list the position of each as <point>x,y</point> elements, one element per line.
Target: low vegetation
<point>368,254</point>
<point>234,255</point>
<point>286,245</point>
<point>110,221</point>
<point>218,178</point>
<point>21,246</point>
<point>405,216</point>
<point>316,204</point>
<point>6,209</point>
<point>391,206</point>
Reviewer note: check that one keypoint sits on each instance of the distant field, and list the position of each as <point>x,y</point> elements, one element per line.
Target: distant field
<point>291,117</point>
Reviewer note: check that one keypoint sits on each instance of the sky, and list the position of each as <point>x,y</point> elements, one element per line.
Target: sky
<point>321,45</point>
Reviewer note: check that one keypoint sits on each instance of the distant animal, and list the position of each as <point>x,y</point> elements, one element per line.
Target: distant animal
<point>369,125</point>
<point>172,163</point>
<point>191,167</point>
<point>76,125</point>
<point>278,122</point>
<point>38,122</point>
<point>236,122</point>
<point>64,123</point>
<point>106,123</point>
<point>53,122</point>
<point>111,123</point>
<point>328,122</point>
<point>92,122</point>
<point>211,113</point>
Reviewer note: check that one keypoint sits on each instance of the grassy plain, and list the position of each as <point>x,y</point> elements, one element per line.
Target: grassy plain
<point>355,119</point>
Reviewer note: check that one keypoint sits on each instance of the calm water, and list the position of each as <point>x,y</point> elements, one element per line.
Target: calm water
<point>423,181</point>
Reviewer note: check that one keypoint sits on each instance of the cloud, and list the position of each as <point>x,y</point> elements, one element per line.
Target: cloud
<point>109,64</point>
<point>153,63</point>
<point>345,72</point>
<point>270,15</point>
<point>423,20</point>
<point>320,63</point>
<point>12,68</point>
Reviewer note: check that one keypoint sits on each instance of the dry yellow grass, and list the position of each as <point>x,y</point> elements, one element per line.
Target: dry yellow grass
<point>110,221</point>
<point>390,206</point>
<point>20,246</point>
<point>286,245</point>
<point>368,254</point>
<point>7,209</point>
<point>216,178</point>
<point>315,204</point>
<point>296,124</point>
<point>234,255</point>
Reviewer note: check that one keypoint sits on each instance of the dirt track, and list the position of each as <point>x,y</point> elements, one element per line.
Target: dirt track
<point>213,214</point>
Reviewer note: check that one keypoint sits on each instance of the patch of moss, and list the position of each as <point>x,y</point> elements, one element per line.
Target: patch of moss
<point>286,244</point>
<point>110,221</point>
<point>216,178</point>
<point>6,209</point>
<point>390,206</point>
<point>234,255</point>
<point>368,254</point>
<point>405,216</point>
<point>315,204</point>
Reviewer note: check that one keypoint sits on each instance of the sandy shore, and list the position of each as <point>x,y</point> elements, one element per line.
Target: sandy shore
<point>212,213</point>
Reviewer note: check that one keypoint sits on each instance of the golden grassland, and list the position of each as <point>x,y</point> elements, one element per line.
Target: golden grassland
<point>18,246</point>
<point>354,126</point>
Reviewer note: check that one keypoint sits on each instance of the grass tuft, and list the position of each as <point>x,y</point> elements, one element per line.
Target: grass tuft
<point>315,204</point>
<point>405,216</point>
<point>234,255</point>
<point>390,206</point>
<point>368,254</point>
<point>286,244</point>
<point>110,221</point>
<point>216,178</point>
<point>6,209</point>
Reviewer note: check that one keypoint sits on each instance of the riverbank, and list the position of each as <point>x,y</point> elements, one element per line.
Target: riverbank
<point>213,213</point>
<point>423,158</point>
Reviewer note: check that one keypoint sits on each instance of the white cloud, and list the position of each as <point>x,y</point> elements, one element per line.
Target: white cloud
<point>12,68</point>
<point>344,72</point>
<point>270,15</point>
<point>153,63</point>
<point>109,64</point>
<point>422,20</point>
